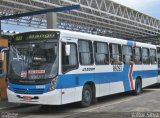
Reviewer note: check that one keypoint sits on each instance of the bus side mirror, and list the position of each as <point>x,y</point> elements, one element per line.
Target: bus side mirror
<point>2,52</point>
<point>67,50</point>
<point>2,56</point>
<point>3,74</point>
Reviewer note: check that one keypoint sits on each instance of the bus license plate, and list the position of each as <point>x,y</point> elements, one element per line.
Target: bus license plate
<point>27,98</point>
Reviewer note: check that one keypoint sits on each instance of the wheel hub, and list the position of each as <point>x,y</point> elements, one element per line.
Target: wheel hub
<point>87,96</point>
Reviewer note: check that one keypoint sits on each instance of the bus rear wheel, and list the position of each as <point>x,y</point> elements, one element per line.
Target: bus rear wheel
<point>86,96</point>
<point>138,86</point>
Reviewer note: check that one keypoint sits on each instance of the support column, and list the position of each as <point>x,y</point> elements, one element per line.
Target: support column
<point>51,20</point>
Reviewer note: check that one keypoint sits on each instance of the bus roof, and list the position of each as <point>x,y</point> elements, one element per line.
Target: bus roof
<point>74,34</point>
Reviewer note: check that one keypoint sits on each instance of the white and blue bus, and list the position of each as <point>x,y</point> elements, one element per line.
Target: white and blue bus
<point>55,67</point>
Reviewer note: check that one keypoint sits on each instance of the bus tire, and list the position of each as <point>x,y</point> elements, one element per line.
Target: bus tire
<point>138,86</point>
<point>87,96</point>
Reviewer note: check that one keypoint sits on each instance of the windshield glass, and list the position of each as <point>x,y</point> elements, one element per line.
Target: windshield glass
<point>33,61</point>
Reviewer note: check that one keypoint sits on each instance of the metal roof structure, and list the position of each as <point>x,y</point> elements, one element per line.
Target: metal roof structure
<point>102,17</point>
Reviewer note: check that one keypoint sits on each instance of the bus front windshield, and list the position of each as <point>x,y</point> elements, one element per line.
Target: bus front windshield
<point>33,61</point>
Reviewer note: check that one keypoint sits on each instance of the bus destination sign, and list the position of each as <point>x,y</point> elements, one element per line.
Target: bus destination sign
<point>36,36</point>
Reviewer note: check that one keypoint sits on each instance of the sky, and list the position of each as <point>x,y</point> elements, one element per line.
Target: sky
<point>149,7</point>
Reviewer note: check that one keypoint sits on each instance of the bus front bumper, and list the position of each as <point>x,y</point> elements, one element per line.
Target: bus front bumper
<point>49,98</point>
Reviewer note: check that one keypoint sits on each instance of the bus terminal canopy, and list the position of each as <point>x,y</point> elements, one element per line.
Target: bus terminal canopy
<point>38,12</point>
<point>59,9</point>
<point>102,17</point>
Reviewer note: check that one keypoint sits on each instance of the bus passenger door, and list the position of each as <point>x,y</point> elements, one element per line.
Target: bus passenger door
<point>69,65</point>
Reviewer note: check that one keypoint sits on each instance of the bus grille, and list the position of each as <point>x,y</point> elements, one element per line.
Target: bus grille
<point>28,91</point>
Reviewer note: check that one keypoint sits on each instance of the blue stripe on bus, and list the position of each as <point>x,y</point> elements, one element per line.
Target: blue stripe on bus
<point>29,89</point>
<point>75,80</point>
<point>145,73</point>
<point>130,43</point>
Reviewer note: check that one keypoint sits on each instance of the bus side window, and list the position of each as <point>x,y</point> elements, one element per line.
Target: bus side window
<point>153,56</point>
<point>85,52</point>
<point>137,55</point>
<point>69,62</point>
<point>145,56</point>
<point>115,54</point>
<point>101,53</point>
<point>127,54</point>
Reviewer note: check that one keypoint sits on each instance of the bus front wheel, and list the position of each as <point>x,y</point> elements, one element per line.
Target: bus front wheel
<point>86,96</point>
<point>138,86</point>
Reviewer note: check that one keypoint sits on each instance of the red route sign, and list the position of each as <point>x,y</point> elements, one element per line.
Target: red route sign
<point>32,72</point>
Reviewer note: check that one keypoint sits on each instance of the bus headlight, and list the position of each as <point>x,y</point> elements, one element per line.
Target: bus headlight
<point>53,84</point>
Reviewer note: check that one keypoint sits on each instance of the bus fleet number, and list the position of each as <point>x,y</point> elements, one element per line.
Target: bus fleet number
<point>117,68</point>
